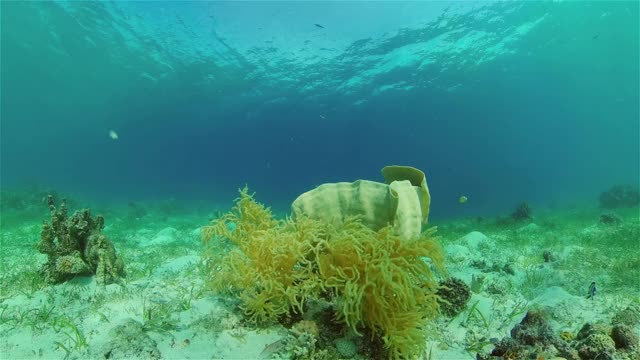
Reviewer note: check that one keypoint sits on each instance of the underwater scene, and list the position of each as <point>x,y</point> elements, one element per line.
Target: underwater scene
<point>435,180</point>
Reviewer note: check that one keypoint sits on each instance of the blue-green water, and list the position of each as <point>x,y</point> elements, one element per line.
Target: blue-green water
<point>501,102</point>
<point>153,113</point>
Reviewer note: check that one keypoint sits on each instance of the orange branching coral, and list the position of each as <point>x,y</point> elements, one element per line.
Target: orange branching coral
<point>377,280</point>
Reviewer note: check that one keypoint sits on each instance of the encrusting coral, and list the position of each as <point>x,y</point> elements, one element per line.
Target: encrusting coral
<point>76,246</point>
<point>454,295</point>
<point>374,279</point>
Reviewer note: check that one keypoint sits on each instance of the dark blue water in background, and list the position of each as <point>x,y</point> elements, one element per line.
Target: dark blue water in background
<point>501,102</point>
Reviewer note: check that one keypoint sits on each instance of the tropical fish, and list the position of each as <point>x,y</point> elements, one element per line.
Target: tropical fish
<point>272,348</point>
<point>463,199</point>
<point>113,135</point>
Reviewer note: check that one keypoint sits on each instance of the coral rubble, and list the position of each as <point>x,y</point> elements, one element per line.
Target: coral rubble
<point>76,246</point>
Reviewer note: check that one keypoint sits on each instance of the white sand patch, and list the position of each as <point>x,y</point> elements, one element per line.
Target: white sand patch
<point>163,237</point>
<point>475,240</point>
<point>553,296</point>
<point>249,345</point>
<point>451,354</point>
<point>177,265</point>
<point>457,253</point>
<point>529,228</point>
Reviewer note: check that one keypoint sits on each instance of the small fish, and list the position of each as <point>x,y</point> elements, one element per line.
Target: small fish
<point>113,135</point>
<point>318,25</point>
<point>271,349</point>
<point>595,36</point>
<point>592,290</point>
<point>322,117</point>
<point>462,200</point>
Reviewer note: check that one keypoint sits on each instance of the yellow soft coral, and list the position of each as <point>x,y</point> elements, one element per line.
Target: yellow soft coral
<point>377,280</point>
<point>382,282</point>
<point>267,269</point>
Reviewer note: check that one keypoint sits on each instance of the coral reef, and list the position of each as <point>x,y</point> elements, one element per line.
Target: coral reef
<point>627,316</point>
<point>533,329</point>
<point>624,337</point>
<point>548,256</point>
<point>531,338</point>
<point>301,343</point>
<point>620,196</point>
<point>567,335</point>
<point>129,341</point>
<point>610,219</point>
<point>374,280</point>
<point>346,347</point>
<point>76,246</point>
<point>534,338</point>
<point>522,212</point>
<point>454,295</point>
<point>593,342</point>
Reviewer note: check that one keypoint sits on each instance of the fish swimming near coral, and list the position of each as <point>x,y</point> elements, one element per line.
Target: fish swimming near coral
<point>271,349</point>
